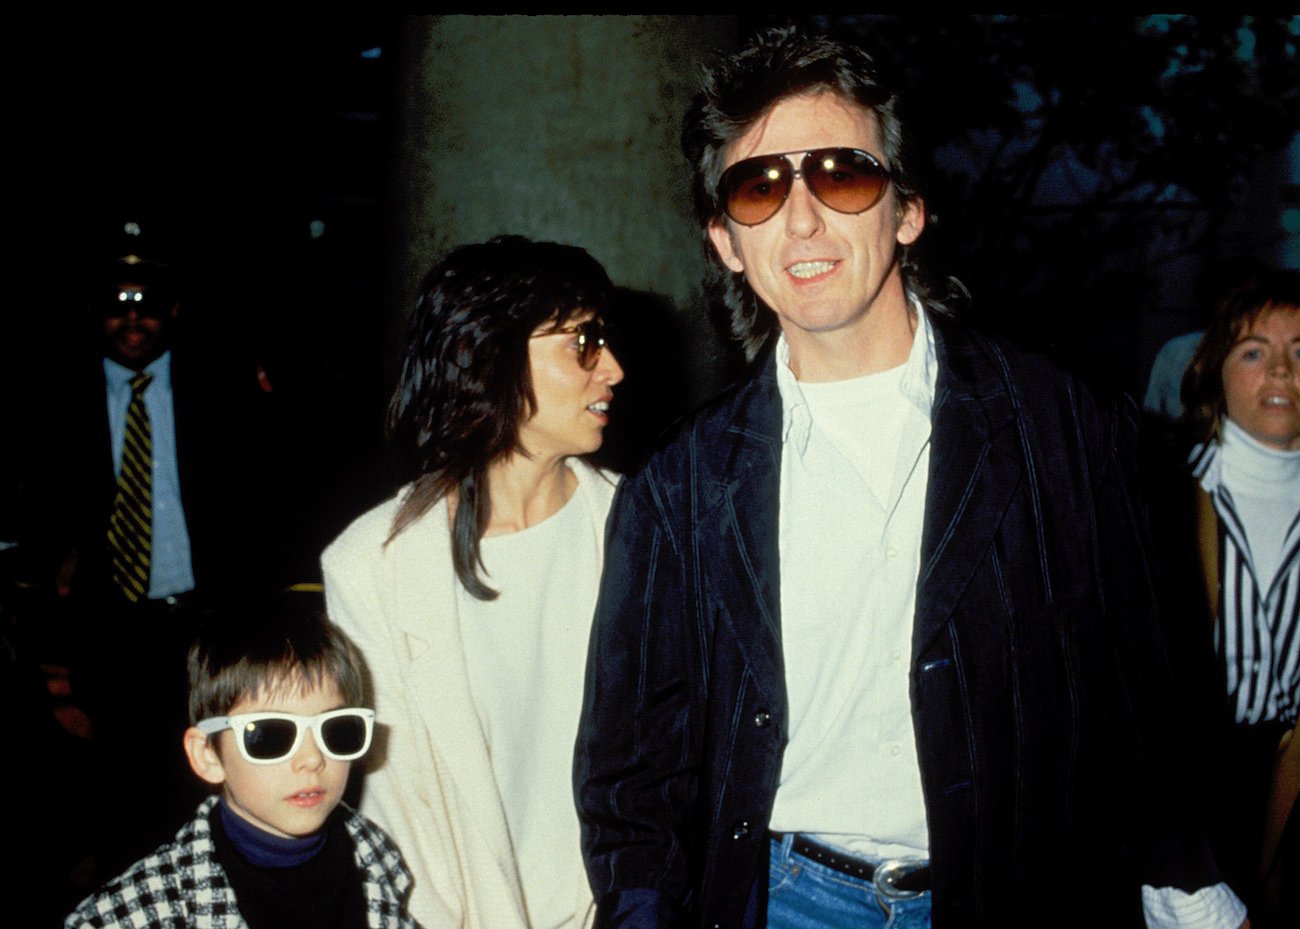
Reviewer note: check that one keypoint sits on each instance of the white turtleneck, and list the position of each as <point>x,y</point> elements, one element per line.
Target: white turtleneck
<point>1265,487</point>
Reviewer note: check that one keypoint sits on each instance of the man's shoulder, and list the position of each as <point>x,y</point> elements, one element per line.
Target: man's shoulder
<point>974,360</point>
<point>750,405</point>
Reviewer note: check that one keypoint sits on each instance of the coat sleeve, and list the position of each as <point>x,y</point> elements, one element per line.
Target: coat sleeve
<point>1166,842</point>
<point>401,792</point>
<point>635,770</point>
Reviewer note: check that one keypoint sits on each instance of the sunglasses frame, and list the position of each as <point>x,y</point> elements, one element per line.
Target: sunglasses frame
<point>239,721</point>
<point>810,156</point>
<point>141,300</point>
<point>588,357</point>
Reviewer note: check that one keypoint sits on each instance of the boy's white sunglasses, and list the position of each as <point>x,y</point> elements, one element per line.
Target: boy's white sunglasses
<point>269,738</point>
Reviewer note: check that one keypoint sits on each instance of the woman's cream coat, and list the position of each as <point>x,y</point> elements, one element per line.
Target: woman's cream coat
<point>429,779</point>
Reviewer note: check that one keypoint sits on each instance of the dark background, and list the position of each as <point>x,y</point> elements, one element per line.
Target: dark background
<point>1087,170</point>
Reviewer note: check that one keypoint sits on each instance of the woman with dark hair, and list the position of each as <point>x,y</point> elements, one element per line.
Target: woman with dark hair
<point>1242,389</point>
<point>470,593</point>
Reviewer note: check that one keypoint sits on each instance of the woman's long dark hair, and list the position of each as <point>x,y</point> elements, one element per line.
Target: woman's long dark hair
<point>466,387</point>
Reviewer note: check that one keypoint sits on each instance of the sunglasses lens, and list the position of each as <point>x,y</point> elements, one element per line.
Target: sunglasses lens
<point>754,189</point>
<point>126,302</point>
<point>844,179</point>
<point>344,735</point>
<point>269,739</point>
<point>591,339</point>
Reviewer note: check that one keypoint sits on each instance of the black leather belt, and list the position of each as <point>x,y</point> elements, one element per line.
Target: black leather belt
<point>895,878</point>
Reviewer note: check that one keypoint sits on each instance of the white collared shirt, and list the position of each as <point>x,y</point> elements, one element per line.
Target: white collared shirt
<point>854,467</point>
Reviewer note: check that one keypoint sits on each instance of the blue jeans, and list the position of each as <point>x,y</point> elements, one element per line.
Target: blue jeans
<point>804,894</point>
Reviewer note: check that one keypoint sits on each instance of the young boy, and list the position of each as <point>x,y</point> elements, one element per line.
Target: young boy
<point>276,724</point>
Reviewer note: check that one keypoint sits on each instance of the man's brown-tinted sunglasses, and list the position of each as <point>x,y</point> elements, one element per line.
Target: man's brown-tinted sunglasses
<point>848,180</point>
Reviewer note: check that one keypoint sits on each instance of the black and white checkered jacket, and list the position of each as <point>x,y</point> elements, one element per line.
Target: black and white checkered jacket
<point>181,885</point>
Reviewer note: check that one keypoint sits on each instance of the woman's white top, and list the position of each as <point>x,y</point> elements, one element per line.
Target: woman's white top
<point>526,652</point>
<point>458,778</point>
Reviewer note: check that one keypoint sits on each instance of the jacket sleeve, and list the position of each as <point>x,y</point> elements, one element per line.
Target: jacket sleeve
<point>635,770</point>
<point>401,790</point>
<point>1166,844</point>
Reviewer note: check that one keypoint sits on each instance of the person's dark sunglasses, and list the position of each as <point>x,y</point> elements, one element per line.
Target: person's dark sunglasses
<point>848,180</point>
<point>591,339</point>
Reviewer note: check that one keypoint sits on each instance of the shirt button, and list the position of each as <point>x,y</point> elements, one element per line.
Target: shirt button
<point>896,655</point>
<point>741,830</point>
<point>762,719</point>
<point>895,750</point>
<point>891,551</point>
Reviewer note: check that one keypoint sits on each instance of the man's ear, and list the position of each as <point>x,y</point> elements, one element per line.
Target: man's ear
<point>203,757</point>
<point>720,236</point>
<point>911,221</point>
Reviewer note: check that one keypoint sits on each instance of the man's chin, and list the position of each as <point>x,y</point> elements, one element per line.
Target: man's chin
<point>135,356</point>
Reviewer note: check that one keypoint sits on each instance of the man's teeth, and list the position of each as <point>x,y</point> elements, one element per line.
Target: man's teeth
<point>806,269</point>
<point>1277,401</point>
<point>600,406</point>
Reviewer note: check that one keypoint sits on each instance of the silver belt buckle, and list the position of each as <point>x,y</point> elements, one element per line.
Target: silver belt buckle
<point>889,872</point>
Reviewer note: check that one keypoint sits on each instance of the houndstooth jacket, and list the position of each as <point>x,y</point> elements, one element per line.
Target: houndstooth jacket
<point>181,885</point>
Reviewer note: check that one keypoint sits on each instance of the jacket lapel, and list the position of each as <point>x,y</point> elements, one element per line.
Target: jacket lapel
<point>425,611</point>
<point>975,467</point>
<point>739,508</point>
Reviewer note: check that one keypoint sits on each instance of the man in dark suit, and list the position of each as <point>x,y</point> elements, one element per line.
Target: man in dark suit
<point>876,640</point>
<point>144,501</point>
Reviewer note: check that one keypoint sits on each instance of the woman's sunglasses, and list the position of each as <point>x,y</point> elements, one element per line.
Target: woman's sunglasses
<point>269,738</point>
<point>591,339</point>
<point>848,180</point>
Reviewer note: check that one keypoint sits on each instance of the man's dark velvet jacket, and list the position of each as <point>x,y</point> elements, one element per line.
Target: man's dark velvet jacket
<point>1038,679</point>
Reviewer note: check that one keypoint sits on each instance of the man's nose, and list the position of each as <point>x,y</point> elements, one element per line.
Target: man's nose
<point>802,210</point>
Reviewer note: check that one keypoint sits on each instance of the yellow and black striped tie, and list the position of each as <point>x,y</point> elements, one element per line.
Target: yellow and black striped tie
<point>130,524</point>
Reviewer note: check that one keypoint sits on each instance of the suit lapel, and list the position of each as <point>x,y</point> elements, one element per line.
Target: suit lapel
<point>426,612</point>
<point>975,467</point>
<point>739,509</point>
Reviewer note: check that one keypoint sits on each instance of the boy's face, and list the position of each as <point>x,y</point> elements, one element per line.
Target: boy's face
<point>291,798</point>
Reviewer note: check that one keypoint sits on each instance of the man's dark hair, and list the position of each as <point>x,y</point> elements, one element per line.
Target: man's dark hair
<point>777,64</point>
<point>465,387</point>
<point>1202,389</point>
<point>264,643</point>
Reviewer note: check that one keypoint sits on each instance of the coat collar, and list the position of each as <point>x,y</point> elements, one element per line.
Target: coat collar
<point>975,466</point>
<point>745,567</point>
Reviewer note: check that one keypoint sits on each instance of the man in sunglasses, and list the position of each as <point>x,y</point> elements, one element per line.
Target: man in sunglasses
<point>140,498</point>
<point>874,642</point>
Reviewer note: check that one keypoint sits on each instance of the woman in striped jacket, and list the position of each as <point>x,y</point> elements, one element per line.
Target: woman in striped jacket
<point>1243,387</point>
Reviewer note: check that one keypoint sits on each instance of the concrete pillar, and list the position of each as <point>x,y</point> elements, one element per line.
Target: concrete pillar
<point>563,128</point>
